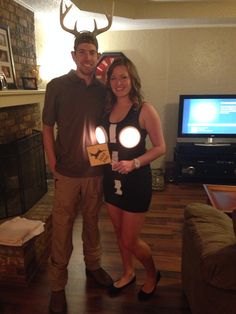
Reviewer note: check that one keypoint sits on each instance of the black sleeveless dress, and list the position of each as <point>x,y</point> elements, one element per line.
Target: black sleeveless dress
<point>130,192</point>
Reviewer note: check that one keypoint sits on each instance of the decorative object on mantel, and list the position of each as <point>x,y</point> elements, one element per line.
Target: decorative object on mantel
<point>17,231</point>
<point>29,82</point>
<point>6,57</point>
<point>36,73</point>
<point>3,81</point>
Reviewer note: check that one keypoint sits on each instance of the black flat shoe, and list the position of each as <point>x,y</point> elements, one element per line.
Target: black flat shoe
<point>113,291</point>
<point>143,296</point>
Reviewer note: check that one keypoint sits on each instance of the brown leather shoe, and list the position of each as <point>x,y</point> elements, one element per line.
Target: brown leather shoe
<point>58,302</point>
<point>100,277</point>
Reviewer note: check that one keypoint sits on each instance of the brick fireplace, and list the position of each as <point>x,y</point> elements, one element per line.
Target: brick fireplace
<point>18,121</point>
<point>20,113</point>
<point>20,125</point>
<point>22,161</point>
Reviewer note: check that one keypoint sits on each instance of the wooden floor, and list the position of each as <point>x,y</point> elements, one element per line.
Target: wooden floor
<point>163,231</point>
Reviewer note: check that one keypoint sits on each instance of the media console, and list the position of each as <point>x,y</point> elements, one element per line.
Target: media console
<point>205,162</point>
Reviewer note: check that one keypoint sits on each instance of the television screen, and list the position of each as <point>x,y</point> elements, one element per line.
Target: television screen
<point>207,116</point>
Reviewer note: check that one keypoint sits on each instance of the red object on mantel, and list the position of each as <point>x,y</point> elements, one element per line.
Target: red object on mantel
<point>104,61</point>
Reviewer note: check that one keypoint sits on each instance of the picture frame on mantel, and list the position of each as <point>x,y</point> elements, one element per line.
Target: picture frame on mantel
<point>29,82</point>
<point>7,66</point>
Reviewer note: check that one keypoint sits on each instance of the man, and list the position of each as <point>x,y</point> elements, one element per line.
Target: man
<point>74,102</point>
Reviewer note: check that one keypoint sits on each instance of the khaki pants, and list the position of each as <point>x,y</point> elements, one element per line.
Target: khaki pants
<point>69,194</point>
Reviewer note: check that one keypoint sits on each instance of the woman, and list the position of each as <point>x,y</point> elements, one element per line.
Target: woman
<point>128,182</point>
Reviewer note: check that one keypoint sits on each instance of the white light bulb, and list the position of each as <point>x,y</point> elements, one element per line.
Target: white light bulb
<point>101,135</point>
<point>129,137</point>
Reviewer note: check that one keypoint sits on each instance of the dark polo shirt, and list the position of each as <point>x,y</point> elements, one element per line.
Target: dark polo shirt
<point>76,109</point>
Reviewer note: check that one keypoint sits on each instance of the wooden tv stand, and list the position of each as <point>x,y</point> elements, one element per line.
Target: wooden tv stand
<point>206,163</point>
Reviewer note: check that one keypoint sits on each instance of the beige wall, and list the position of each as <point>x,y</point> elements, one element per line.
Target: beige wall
<point>173,62</point>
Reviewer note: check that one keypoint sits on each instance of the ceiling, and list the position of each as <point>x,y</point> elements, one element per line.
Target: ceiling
<point>149,14</point>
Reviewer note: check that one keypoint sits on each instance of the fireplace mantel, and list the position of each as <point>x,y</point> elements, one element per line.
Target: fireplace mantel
<point>19,97</point>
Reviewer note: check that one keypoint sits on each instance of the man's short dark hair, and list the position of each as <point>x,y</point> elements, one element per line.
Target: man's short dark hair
<point>86,37</point>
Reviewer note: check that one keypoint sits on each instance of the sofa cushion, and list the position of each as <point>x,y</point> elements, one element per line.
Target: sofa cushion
<point>219,269</point>
<point>215,242</point>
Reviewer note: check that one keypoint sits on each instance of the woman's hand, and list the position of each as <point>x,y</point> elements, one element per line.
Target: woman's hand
<point>123,166</point>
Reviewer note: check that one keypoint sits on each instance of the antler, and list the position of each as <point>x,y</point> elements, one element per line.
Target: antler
<point>74,31</point>
<point>62,16</point>
<point>109,17</point>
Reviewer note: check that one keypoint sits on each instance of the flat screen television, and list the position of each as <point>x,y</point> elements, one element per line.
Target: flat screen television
<point>207,116</point>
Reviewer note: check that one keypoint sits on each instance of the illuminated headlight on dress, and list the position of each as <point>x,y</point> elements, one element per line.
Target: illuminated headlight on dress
<point>101,135</point>
<point>129,137</point>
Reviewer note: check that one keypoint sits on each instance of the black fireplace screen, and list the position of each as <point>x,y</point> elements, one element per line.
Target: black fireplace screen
<point>22,174</point>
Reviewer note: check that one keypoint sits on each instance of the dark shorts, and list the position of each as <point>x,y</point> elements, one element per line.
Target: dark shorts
<point>131,192</point>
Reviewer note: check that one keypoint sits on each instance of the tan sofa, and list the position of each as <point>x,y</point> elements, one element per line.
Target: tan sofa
<point>209,260</point>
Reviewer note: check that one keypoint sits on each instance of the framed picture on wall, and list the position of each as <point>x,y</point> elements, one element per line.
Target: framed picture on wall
<point>104,61</point>
<point>6,57</point>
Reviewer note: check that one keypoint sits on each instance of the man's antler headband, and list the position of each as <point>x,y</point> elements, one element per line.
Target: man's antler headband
<point>75,32</point>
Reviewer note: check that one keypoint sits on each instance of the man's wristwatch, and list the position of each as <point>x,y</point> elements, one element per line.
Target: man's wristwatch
<point>136,163</point>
